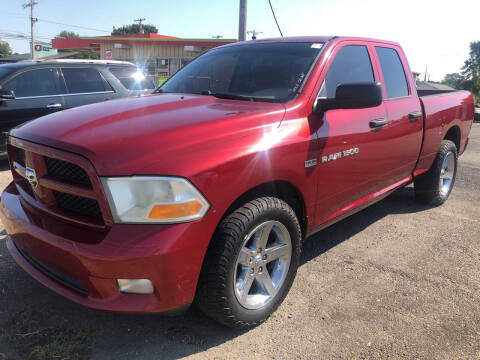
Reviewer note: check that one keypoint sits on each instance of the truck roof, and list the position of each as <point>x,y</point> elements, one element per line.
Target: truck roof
<point>314,39</point>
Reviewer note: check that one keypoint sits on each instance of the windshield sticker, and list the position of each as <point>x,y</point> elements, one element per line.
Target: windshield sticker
<point>299,82</point>
<point>316,46</point>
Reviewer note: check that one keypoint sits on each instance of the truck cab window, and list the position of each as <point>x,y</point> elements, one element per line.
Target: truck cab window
<point>350,65</point>
<point>40,82</point>
<point>393,73</point>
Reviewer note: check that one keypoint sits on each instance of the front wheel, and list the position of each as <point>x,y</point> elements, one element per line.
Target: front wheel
<point>436,185</point>
<point>251,263</point>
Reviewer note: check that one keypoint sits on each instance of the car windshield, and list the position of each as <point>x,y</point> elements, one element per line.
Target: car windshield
<point>271,72</point>
<point>132,78</point>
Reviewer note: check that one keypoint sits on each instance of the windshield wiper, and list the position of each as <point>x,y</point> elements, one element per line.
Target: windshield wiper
<point>227,96</point>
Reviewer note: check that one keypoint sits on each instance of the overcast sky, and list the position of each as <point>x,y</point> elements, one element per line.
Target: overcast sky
<point>433,33</point>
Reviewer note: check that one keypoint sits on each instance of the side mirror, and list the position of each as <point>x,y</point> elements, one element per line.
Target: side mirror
<point>7,94</point>
<point>352,96</point>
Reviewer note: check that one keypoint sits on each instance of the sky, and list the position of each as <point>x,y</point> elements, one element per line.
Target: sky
<point>435,34</point>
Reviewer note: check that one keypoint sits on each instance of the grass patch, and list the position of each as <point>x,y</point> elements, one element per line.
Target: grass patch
<point>35,340</point>
<point>63,344</point>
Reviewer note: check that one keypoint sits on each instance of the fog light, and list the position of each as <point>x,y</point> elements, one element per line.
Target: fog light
<point>135,286</point>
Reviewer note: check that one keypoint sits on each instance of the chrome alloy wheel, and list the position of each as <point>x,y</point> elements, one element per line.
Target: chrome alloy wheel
<point>446,173</point>
<point>262,264</point>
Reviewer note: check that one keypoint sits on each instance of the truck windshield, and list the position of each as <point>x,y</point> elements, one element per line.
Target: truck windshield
<point>270,72</point>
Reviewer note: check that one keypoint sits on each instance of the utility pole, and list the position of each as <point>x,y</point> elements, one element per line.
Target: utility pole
<point>242,20</point>
<point>254,33</point>
<point>140,24</point>
<point>33,20</point>
<point>425,75</point>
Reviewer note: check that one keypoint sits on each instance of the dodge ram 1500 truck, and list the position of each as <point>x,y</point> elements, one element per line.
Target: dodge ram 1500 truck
<point>205,190</point>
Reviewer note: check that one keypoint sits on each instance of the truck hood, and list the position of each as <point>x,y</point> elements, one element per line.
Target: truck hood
<point>170,134</point>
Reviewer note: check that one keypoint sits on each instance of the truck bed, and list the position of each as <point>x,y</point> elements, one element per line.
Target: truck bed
<point>423,93</point>
<point>445,111</point>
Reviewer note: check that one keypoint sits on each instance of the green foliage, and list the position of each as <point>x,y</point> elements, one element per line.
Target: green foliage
<point>454,80</point>
<point>134,29</point>
<point>5,49</point>
<point>67,34</point>
<point>469,79</point>
<point>471,69</point>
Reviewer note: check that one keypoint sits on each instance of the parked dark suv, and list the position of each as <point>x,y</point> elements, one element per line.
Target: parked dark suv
<point>32,89</point>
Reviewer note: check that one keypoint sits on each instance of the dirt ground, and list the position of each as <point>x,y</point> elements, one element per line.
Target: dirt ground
<point>396,281</point>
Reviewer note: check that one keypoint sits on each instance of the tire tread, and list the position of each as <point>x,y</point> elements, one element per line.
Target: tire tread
<point>211,295</point>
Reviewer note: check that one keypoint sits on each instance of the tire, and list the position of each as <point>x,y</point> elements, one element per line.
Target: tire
<point>435,186</point>
<point>233,259</point>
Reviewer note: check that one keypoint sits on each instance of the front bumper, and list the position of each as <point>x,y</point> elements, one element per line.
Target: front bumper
<point>169,255</point>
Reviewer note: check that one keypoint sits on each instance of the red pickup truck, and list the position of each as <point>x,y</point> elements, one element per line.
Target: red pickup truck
<point>206,189</point>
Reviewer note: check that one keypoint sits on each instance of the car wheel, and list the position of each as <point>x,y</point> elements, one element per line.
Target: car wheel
<point>251,263</point>
<point>436,185</point>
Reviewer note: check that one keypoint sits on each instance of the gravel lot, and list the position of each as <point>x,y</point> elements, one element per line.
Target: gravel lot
<point>396,281</point>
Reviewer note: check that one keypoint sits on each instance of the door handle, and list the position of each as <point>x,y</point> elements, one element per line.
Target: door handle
<point>414,116</point>
<point>378,123</point>
<point>54,106</point>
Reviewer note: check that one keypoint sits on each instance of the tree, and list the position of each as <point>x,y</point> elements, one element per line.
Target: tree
<point>471,70</point>
<point>5,49</point>
<point>472,64</point>
<point>134,29</point>
<point>67,35</point>
<point>454,80</point>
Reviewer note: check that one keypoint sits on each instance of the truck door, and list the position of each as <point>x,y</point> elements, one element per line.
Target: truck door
<point>404,112</point>
<point>355,158</point>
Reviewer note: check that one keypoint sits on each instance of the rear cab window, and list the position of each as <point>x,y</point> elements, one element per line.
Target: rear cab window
<point>393,72</point>
<point>351,64</point>
<point>84,80</point>
<point>32,83</point>
<point>132,78</point>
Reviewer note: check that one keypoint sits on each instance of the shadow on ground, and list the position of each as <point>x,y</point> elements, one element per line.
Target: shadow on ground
<point>38,324</point>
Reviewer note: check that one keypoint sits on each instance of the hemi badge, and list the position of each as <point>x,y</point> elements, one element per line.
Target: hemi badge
<point>310,163</point>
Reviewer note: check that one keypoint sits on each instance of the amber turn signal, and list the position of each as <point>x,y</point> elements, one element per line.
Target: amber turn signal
<point>175,210</point>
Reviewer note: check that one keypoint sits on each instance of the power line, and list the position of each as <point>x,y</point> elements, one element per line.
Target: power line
<point>54,22</point>
<point>276,22</point>
<point>75,26</point>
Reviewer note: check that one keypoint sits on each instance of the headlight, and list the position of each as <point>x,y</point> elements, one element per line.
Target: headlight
<point>149,199</point>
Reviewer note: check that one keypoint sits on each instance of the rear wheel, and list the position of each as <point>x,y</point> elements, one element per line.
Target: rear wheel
<point>251,263</point>
<point>436,185</point>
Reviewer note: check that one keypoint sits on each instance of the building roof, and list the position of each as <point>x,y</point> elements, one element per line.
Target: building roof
<point>86,42</point>
<point>27,56</point>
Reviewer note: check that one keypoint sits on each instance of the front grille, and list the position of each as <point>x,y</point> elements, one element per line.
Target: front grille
<point>28,187</point>
<point>64,189</point>
<point>61,278</point>
<point>20,156</point>
<point>67,171</point>
<point>78,205</point>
